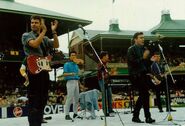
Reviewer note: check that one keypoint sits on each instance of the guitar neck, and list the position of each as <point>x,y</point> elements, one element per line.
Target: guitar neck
<point>173,69</point>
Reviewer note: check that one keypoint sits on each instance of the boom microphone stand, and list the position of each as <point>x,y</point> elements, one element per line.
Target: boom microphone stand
<point>104,70</point>
<point>169,116</point>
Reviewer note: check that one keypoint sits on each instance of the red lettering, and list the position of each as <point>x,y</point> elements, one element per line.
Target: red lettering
<point>120,104</point>
<point>114,105</point>
<point>100,105</point>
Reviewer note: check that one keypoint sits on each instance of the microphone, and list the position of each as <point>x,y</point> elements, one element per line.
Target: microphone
<point>160,47</point>
<point>80,26</point>
<point>150,42</point>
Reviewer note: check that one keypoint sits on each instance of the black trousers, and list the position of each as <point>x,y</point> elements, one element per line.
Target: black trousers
<point>157,89</point>
<point>141,83</point>
<point>37,95</point>
<point>167,95</point>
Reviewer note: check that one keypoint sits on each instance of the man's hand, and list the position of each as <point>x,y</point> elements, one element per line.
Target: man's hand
<point>162,75</point>
<point>78,61</point>
<point>26,83</point>
<point>54,25</point>
<point>26,77</point>
<point>43,26</point>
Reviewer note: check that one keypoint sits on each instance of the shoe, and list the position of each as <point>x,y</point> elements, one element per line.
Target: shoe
<point>76,116</point>
<point>137,120</point>
<point>112,111</point>
<point>107,114</point>
<point>160,110</point>
<point>171,110</point>
<point>111,114</point>
<point>48,118</point>
<point>67,117</point>
<point>149,120</point>
<point>44,121</point>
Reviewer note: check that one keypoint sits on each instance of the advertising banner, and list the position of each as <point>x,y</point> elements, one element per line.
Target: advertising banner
<point>23,111</point>
<point>17,111</point>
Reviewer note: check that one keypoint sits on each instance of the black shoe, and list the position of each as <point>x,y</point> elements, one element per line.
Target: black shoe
<point>48,118</point>
<point>137,120</point>
<point>112,111</point>
<point>149,120</point>
<point>160,110</point>
<point>171,110</point>
<point>75,115</point>
<point>107,114</point>
<point>67,117</point>
<point>44,121</point>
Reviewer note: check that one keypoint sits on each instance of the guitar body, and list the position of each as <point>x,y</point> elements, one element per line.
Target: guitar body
<point>157,79</point>
<point>154,79</point>
<point>37,64</point>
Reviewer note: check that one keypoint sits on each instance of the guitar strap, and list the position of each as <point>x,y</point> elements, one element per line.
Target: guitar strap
<point>43,49</point>
<point>158,68</point>
<point>157,65</point>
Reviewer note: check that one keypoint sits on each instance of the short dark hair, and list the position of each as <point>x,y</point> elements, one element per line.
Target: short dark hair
<point>36,17</point>
<point>137,34</point>
<point>72,52</point>
<point>156,53</point>
<point>103,53</point>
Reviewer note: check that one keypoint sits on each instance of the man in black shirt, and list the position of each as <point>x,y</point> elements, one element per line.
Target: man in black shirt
<point>158,71</point>
<point>137,58</point>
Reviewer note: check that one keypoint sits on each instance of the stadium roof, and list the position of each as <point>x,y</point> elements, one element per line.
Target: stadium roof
<point>127,34</point>
<point>168,27</point>
<point>66,23</point>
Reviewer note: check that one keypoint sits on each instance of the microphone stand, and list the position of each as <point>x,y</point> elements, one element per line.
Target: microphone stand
<point>169,116</point>
<point>103,71</point>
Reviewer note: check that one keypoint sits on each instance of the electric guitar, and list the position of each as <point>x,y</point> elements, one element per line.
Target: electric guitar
<point>36,64</point>
<point>157,79</point>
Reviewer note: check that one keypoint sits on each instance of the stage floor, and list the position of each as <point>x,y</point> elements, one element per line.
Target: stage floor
<point>58,119</point>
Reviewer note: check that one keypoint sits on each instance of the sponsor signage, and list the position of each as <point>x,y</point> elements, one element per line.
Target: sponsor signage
<point>17,111</point>
<point>53,109</point>
<point>23,111</point>
<point>178,100</point>
<point>117,104</point>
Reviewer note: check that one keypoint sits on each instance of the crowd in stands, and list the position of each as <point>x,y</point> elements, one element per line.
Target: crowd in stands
<point>10,98</point>
<point>56,97</point>
<point>171,60</point>
<point>175,61</point>
<point>18,98</point>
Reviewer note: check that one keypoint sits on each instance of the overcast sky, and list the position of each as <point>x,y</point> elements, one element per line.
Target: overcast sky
<point>138,15</point>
